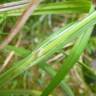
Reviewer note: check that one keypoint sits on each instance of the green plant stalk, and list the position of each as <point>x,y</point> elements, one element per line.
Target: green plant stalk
<point>66,7</point>
<point>51,8</point>
<point>52,73</point>
<point>23,53</point>
<point>47,49</point>
<point>70,61</point>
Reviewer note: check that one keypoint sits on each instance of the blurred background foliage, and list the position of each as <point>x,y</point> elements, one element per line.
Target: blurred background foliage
<point>81,78</point>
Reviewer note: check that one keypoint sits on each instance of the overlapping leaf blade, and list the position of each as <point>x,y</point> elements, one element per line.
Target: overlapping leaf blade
<point>47,49</point>
<point>71,60</point>
<point>52,8</point>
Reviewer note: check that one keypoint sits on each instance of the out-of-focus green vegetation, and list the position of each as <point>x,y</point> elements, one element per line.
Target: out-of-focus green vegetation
<point>56,51</point>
